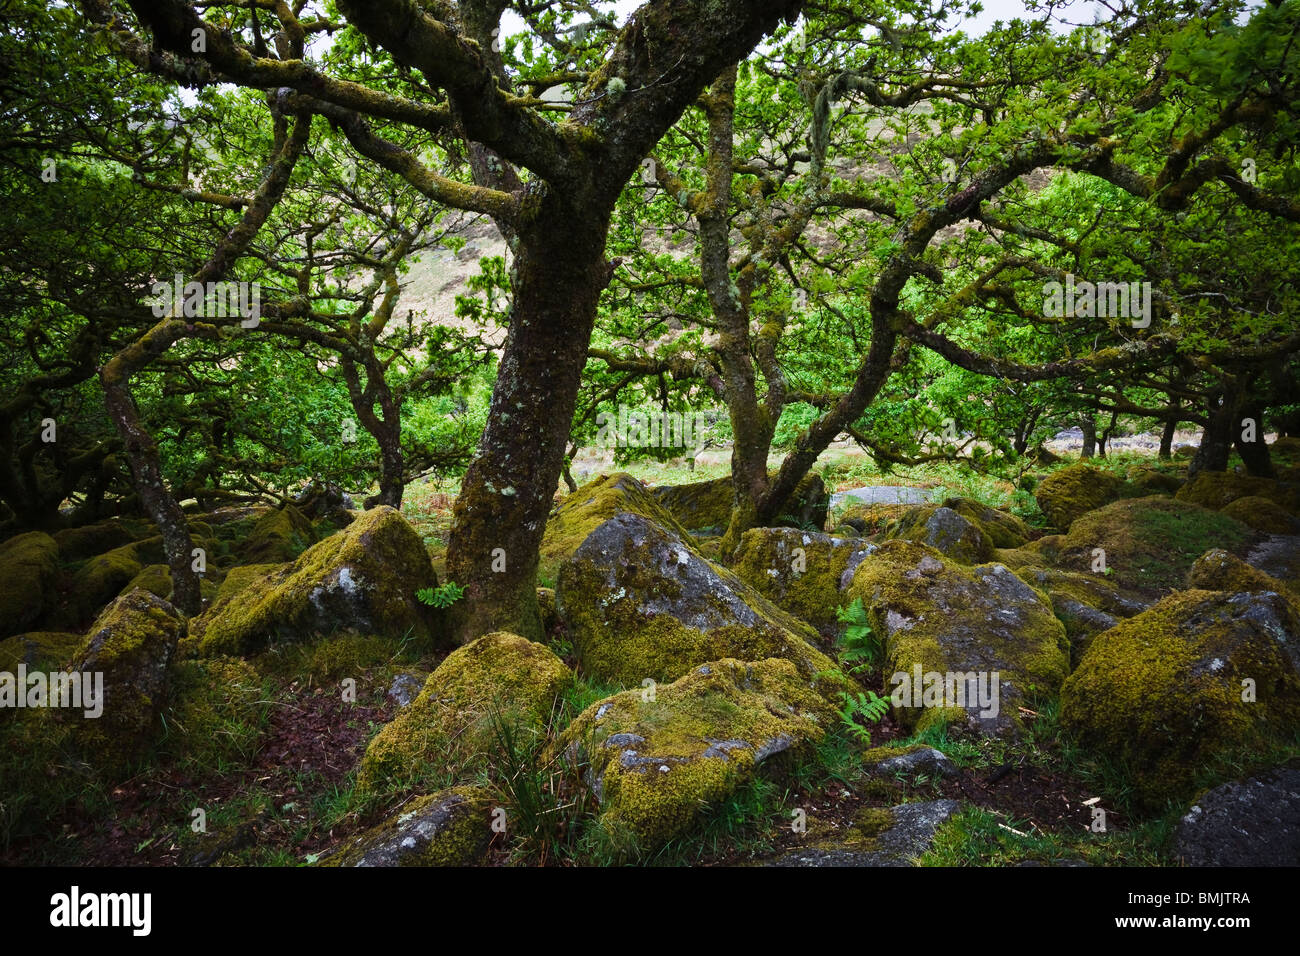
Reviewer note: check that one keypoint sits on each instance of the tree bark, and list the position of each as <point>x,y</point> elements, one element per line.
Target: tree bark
<point>1167,439</point>
<point>1216,440</point>
<point>1254,454</point>
<point>506,496</point>
<point>1088,426</point>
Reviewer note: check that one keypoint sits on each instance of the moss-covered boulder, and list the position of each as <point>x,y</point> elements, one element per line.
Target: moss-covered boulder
<point>449,828</point>
<point>277,536</point>
<point>362,579</point>
<point>802,572</point>
<point>29,577</point>
<point>879,836</point>
<point>104,577</point>
<point>1154,480</point>
<point>937,617</point>
<point>659,763</point>
<point>1176,694</point>
<point>1075,490</point>
<point>638,602</point>
<point>1262,514</point>
<point>1220,570</point>
<point>586,509</point>
<point>500,679</point>
<point>707,504</point>
<point>873,519</point>
<point>946,531</point>
<point>78,544</point>
<point>242,576</point>
<point>1149,544</point>
<point>1005,530</point>
<point>132,645</point>
<point>38,650</point>
<point>154,578</point>
<point>1216,489</point>
<point>1086,604</point>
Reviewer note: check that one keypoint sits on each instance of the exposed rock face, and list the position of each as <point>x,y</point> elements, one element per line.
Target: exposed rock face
<point>639,602</point>
<point>892,837</point>
<point>658,765</point>
<point>453,724</point>
<point>1252,822</point>
<point>937,617</point>
<point>1086,604</point>
<point>591,506</point>
<point>448,828</point>
<point>918,759</point>
<point>364,578</point>
<point>1171,691</point>
<point>947,532</point>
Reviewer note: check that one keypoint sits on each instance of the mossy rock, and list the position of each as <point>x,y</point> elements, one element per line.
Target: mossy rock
<point>39,650</point>
<point>1217,489</point>
<point>242,576</point>
<point>453,724</point>
<point>1150,543</point>
<point>947,619</point>
<point>708,504</point>
<point>1161,694</point>
<point>946,531</point>
<point>132,644</point>
<point>659,763</point>
<point>29,570</point>
<point>879,836</point>
<point>362,579</point>
<point>1073,491</point>
<point>802,572</point>
<point>873,519</point>
<point>1148,479</point>
<point>78,544</point>
<point>1219,570</point>
<point>1262,514</point>
<point>276,537</point>
<point>216,713</point>
<point>1005,530</point>
<point>108,575</point>
<point>586,509</point>
<point>638,602</point>
<point>449,828</point>
<point>154,578</point>
<point>1086,604</point>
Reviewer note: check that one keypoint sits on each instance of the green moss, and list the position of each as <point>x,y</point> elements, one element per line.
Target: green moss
<point>276,536</point>
<point>363,578</point>
<point>1215,489</point>
<point>78,544</point>
<point>239,578</point>
<point>1074,490</point>
<point>767,561</point>
<point>946,530</point>
<point>155,578</point>
<point>627,616</point>
<point>659,766</point>
<point>946,618</point>
<point>450,724</point>
<point>1262,514</point>
<point>1150,543</point>
<point>1219,570</point>
<point>459,834</point>
<point>707,505</point>
<point>38,650</point>
<point>132,644</point>
<point>104,577</point>
<point>29,567</point>
<point>1161,693</point>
